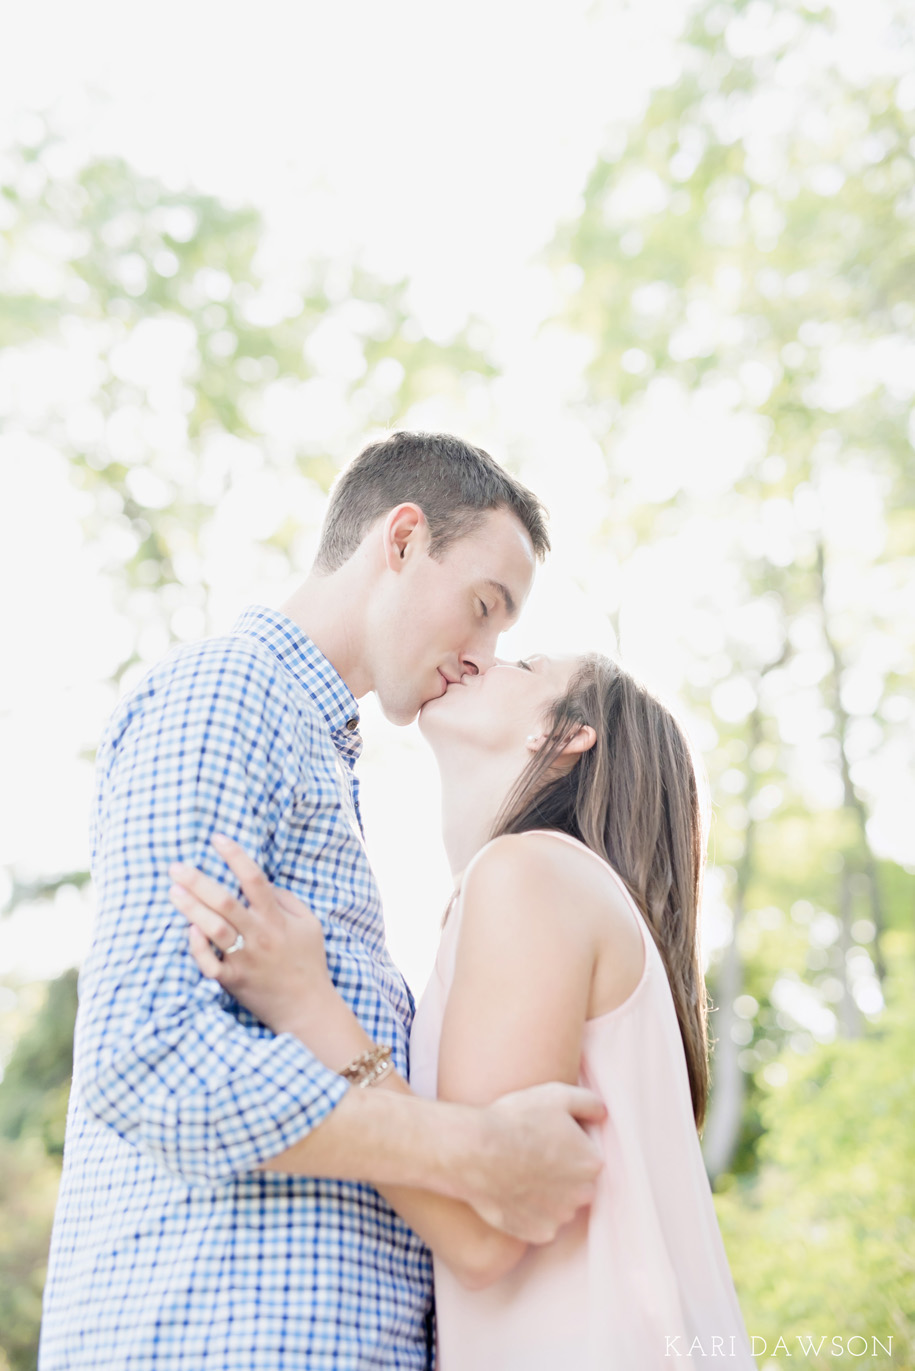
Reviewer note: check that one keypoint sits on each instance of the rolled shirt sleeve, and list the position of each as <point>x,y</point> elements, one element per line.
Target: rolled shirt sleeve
<point>212,742</point>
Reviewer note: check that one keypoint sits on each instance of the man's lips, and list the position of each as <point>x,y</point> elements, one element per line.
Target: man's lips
<point>446,682</point>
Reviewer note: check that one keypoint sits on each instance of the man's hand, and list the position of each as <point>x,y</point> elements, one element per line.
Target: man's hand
<point>537,1167</point>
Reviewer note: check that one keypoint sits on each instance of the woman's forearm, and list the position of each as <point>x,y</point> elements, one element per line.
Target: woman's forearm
<point>477,1253</point>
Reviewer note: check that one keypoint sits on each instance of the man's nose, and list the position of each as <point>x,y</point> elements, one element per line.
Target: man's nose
<point>482,654</point>
<point>477,662</point>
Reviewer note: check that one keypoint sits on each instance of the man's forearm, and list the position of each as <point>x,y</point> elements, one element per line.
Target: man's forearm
<point>385,1136</point>
<point>390,1137</point>
<point>447,1168</point>
<point>420,1155</point>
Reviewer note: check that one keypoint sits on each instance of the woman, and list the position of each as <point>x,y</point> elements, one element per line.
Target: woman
<point>570,952</point>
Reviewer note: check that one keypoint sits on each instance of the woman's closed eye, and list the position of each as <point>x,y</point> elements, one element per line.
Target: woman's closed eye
<point>525,666</point>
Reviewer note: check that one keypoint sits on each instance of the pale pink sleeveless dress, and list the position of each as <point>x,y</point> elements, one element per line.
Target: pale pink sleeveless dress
<point>633,1284</point>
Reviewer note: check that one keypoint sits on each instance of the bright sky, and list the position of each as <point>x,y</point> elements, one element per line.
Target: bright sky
<point>439,141</point>
<point>443,141</point>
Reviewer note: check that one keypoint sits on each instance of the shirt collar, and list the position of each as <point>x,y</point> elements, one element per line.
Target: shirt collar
<point>321,681</point>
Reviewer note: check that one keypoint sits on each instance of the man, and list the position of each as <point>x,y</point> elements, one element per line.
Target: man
<point>217,1207</point>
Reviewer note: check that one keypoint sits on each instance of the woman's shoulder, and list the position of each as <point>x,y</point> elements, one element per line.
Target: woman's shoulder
<point>566,907</point>
<point>523,857</point>
<point>550,873</point>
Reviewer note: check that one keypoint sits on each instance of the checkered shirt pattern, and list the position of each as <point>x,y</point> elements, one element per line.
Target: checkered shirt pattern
<point>170,1251</point>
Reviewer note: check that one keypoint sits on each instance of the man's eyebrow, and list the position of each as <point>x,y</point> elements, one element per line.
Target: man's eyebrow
<point>506,594</point>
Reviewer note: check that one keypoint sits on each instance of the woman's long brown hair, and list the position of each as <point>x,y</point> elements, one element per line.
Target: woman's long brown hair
<point>633,798</point>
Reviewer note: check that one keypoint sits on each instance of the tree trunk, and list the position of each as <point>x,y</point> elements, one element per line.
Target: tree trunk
<point>849,1014</point>
<point>853,802</point>
<point>722,1127</point>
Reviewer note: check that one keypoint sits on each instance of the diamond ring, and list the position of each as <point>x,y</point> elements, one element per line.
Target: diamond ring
<point>236,946</point>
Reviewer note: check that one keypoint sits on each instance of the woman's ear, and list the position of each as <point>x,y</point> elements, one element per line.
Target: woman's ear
<point>581,741</point>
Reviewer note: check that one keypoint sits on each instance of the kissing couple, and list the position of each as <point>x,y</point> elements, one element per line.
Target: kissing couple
<point>269,1155</point>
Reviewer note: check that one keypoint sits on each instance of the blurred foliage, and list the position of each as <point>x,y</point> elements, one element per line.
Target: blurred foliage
<point>33,1106</point>
<point>742,269</point>
<point>745,261</point>
<point>36,1081</point>
<point>821,1239</point>
<point>28,1191</point>
<point>169,363</point>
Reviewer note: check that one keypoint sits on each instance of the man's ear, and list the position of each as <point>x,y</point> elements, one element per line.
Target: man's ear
<point>404,530</point>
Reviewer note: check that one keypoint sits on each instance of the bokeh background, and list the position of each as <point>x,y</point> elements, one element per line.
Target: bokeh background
<point>659,259</point>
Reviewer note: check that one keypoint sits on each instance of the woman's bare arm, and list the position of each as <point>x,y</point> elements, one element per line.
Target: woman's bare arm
<point>459,1153</point>
<point>524,966</point>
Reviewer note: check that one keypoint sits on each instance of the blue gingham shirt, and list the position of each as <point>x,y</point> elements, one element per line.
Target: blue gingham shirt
<point>169,1249</point>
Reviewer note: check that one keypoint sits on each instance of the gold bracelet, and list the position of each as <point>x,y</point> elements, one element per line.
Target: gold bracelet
<point>369,1068</point>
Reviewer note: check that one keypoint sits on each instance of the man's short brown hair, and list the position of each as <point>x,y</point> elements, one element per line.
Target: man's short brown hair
<point>453,483</point>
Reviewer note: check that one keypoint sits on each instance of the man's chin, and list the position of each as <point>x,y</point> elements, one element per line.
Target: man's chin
<point>399,712</point>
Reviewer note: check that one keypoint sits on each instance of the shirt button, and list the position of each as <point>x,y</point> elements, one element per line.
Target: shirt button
<point>352,725</point>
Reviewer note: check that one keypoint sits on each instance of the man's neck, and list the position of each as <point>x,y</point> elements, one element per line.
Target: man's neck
<point>327,608</point>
